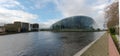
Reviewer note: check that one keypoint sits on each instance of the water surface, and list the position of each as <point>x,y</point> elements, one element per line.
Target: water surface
<point>45,43</point>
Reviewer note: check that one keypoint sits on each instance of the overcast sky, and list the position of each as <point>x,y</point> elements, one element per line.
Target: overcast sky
<point>47,12</point>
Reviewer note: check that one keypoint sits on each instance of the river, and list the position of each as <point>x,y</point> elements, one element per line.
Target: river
<point>45,43</point>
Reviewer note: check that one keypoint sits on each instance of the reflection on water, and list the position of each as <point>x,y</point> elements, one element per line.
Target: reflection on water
<point>45,43</point>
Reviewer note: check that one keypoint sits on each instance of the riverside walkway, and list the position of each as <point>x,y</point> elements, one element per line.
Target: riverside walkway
<point>104,46</point>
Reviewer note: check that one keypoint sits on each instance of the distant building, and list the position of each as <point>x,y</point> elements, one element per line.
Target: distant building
<point>21,27</point>
<point>34,27</point>
<point>17,27</point>
<point>11,28</point>
<point>24,27</point>
<point>2,29</point>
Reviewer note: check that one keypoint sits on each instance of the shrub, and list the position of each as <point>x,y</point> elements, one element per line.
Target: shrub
<point>112,30</point>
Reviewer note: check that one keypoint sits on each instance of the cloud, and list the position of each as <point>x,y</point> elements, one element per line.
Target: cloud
<point>67,8</point>
<point>48,23</point>
<point>83,7</point>
<point>11,4</point>
<point>77,7</point>
<point>15,15</point>
<point>70,8</point>
<point>38,4</point>
<point>100,7</point>
<point>8,15</point>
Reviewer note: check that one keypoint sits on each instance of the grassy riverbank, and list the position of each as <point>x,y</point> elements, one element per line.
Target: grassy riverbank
<point>113,32</point>
<point>71,30</point>
<point>116,41</point>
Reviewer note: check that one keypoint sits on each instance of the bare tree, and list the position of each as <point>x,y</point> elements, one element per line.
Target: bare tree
<point>112,14</point>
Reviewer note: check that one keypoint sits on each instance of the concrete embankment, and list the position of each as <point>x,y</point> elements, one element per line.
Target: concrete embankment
<point>8,33</point>
<point>98,47</point>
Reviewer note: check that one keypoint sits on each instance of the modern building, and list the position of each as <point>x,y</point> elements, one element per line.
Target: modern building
<point>11,28</point>
<point>21,27</point>
<point>34,27</point>
<point>24,27</point>
<point>17,27</point>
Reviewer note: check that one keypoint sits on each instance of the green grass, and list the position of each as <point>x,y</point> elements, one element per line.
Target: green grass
<point>113,35</point>
<point>71,30</point>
